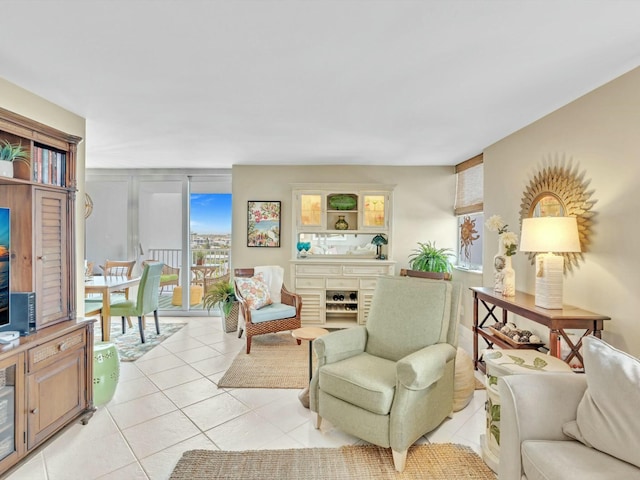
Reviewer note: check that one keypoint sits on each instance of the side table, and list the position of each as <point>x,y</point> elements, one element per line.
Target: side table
<point>508,362</point>
<point>309,334</point>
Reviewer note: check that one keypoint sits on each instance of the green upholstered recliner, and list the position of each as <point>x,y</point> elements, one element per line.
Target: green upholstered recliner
<point>391,381</point>
<point>146,301</point>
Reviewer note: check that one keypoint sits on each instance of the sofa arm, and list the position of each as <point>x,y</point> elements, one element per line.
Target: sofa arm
<point>534,407</point>
<point>340,344</point>
<point>423,368</point>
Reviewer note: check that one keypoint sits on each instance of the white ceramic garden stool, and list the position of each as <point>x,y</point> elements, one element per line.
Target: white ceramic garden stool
<point>508,362</point>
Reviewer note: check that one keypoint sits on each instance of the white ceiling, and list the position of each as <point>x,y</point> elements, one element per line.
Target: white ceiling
<point>209,84</point>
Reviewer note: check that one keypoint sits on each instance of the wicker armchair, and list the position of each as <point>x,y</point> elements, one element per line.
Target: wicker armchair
<point>251,321</point>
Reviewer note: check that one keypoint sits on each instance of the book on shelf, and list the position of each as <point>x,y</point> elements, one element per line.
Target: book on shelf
<point>48,165</point>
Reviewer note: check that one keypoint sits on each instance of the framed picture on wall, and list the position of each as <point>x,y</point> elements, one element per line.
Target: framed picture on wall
<point>263,224</point>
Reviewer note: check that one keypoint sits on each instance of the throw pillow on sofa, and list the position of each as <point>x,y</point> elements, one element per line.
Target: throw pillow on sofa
<point>607,417</point>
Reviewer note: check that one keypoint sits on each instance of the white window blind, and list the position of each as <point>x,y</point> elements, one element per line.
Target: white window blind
<point>469,186</point>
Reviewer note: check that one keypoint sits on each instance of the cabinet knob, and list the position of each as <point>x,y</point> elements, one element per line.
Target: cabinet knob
<point>63,346</point>
<point>34,411</point>
<point>43,258</point>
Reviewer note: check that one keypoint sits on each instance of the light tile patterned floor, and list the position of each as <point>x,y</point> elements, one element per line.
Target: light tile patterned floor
<point>168,402</point>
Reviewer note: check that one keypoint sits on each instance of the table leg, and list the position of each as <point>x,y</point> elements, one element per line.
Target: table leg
<point>554,344</point>
<point>310,361</point>
<point>105,319</point>
<point>303,396</point>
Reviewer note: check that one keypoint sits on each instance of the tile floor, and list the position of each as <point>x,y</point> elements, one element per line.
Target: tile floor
<point>168,402</point>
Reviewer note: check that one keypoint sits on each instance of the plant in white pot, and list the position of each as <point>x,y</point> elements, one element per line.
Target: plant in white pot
<point>10,153</point>
<point>222,294</point>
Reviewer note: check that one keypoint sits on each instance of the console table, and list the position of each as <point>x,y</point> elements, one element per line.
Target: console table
<point>523,304</point>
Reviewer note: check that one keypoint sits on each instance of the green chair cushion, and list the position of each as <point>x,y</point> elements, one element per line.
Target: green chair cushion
<point>169,277</point>
<point>353,380</point>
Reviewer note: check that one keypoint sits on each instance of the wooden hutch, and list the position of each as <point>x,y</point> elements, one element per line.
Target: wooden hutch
<point>45,377</point>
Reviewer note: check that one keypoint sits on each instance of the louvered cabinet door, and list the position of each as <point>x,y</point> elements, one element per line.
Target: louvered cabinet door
<point>51,260</point>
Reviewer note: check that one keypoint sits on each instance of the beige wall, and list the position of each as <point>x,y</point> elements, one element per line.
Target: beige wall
<point>600,133</point>
<point>422,205</point>
<point>25,103</point>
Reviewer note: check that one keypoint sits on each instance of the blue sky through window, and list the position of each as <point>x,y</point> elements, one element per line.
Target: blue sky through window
<point>210,213</point>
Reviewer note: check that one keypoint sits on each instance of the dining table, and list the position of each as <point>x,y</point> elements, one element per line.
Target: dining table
<point>106,285</point>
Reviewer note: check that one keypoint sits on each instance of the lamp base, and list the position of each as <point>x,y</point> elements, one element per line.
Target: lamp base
<point>549,278</point>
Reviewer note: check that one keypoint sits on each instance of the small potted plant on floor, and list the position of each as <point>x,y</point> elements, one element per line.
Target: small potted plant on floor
<point>223,295</point>
<point>428,258</point>
<point>10,153</point>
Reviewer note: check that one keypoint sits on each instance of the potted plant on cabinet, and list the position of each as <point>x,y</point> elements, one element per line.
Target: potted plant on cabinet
<point>223,295</point>
<point>428,258</point>
<point>10,153</point>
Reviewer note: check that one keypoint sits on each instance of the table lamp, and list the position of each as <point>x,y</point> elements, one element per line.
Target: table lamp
<point>549,235</point>
<point>378,241</point>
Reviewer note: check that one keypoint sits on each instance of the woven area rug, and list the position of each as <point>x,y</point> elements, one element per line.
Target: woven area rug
<point>435,462</point>
<point>129,346</point>
<point>276,361</point>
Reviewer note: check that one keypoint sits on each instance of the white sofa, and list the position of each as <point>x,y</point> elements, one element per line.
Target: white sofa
<point>559,426</point>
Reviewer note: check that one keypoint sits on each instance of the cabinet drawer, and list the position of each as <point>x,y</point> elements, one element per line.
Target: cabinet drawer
<point>368,283</point>
<point>318,269</point>
<point>363,270</point>
<point>342,283</point>
<point>309,283</point>
<point>49,352</point>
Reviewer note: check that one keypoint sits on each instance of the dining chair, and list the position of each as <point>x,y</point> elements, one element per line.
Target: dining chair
<point>119,268</point>
<point>146,302</point>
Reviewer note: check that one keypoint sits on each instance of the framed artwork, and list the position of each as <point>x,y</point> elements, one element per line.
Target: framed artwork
<point>263,224</point>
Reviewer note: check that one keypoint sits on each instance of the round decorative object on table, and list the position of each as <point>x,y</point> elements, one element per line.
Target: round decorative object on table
<point>106,372</point>
<point>341,224</point>
<point>310,334</point>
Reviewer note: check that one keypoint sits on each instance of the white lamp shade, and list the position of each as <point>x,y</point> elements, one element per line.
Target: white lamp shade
<point>549,234</point>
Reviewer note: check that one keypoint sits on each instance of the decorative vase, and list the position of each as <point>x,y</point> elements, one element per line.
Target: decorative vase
<point>341,224</point>
<point>499,263</point>
<point>509,282</point>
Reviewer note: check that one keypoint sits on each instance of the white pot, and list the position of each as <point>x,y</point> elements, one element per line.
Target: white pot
<point>6,169</point>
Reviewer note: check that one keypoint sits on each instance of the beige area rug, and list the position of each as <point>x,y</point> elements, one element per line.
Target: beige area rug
<point>435,462</point>
<point>276,361</point>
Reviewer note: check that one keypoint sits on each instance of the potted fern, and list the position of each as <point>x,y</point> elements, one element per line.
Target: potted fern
<point>10,153</point>
<point>222,294</point>
<point>428,258</point>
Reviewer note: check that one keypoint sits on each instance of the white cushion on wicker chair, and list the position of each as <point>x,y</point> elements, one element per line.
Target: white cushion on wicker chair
<point>273,276</point>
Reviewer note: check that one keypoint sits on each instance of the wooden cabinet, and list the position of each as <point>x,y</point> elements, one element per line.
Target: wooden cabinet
<point>338,275</point>
<point>46,378</point>
<point>56,384</point>
<point>48,375</point>
<point>337,294</point>
<point>364,208</point>
<point>41,197</point>
<point>11,407</point>
<point>40,260</point>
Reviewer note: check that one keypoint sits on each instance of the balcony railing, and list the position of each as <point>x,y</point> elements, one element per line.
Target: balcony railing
<point>213,257</point>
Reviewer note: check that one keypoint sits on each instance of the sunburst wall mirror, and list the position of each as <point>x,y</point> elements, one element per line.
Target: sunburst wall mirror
<point>558,189</point>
